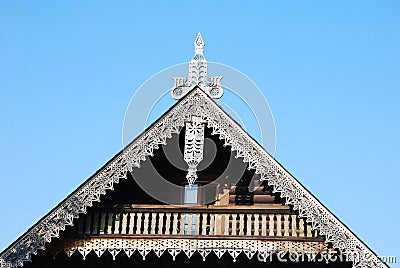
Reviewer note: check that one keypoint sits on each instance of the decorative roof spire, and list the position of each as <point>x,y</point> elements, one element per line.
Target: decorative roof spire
<point>198,48</point>
<point>197,75</point>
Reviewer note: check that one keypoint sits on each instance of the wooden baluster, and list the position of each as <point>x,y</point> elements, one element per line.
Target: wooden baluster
<point>88,223</point>
<point>193,223</point>
<point>95,223</point>
<point>102,222</point>
<point>271,225</point>
<point>301,227</point>
<point>131,223</point>
<point>189,225</point>
<point>212,224</point>
<point>204,223</point>
<point>218,224</point>
<point>160,223</point>
<point>309,231</point>
<point>294,227</point>
<point>124,223</point>
<point>175,223</point>
<point>182,223</point>
<point>117,222</point>
<point>110,222</point>
<point>264,224</point>
<point>241,224</point>
<point>278,225</point>
<point>234,224</point>
<point>286,225</point>
<point>146,223</point>
<point>248,225</point>
<point>153,223</point>
<point>168,223</point>
<point>139,223</point>
<point>314,232</point>
<point>256,224</point>
<point>197,227</point>
<point>226,224</point>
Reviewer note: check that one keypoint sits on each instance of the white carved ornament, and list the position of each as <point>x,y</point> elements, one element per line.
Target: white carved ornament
<point>196,103</point>
<point>194,145</point>
<point>197,76</point>
<point>313,251</point>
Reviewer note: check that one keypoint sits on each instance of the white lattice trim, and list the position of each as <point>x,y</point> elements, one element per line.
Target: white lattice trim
<point>202,246</point>
<point>196,103</point>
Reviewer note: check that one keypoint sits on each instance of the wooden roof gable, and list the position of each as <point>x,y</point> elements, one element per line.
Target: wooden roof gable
<point>195,103</point>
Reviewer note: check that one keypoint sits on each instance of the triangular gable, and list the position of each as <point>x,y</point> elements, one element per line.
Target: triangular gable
<point>195,103</point>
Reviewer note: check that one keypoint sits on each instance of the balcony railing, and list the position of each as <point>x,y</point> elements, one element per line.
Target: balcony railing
<point>162,221</point>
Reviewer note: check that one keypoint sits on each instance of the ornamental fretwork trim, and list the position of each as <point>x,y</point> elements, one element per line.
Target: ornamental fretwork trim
<point>195,103</point>
<point>300,251</point>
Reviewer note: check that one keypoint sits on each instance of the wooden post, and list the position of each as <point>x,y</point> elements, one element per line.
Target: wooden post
<point>88,223</point>
<point>81,222</point>
<point>102,222</point>
<point>95,223</point>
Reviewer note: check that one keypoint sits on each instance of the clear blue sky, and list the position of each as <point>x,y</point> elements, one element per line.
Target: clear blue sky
<point>329,70</point>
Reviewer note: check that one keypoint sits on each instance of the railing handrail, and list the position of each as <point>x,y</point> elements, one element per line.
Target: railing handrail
<point>207,237</point>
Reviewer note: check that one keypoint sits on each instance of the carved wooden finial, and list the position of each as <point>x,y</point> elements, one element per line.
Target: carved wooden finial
<point>197,75</point>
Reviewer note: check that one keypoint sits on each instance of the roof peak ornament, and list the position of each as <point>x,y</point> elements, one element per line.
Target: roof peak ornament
<point>199,47</point>
<point>197,75</point>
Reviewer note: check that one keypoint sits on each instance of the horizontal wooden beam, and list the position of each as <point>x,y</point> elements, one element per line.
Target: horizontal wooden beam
<point>208,237</point>
<point>271,209</point>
